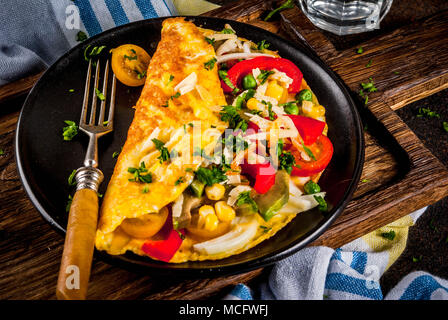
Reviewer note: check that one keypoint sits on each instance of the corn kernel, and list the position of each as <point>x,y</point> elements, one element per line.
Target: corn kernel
<point>211,222</point>
<point>307,107</point>
<point>274,90</point>
<point>320,111</point>
<point>224,212</point>
<point>252,104</point>
<point>205,210</point>
<point>215,192</point>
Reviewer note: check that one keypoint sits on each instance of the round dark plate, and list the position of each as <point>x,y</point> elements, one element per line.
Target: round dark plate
<point>45,161</point>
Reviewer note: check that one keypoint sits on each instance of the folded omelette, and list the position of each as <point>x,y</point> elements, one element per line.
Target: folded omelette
<point>221,154</point>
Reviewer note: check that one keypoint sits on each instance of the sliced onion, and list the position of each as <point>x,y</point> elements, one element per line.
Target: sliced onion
<point>302,203</point>
<point>148,144</point>
<point>233,240</point>
<point>187,83</point>
<point>246,47</point>
<point>176,208</point>
<point>223,36</point>
<point>227,46</point>
<point>242,55</point>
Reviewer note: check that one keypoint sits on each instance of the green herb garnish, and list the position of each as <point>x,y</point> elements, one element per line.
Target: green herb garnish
<point>81,36</point>
<point>262,45</point>
<point>210,176</point>
<point>69,203</point>
<point>287,161</point>
<point>130,58</point>
<point>2,152</point>
<point>138,176</point>
<point>71,90</point>
<point>227,31</point>
<point>223,75</point>
<point>230,114</point>
<point>369,64</point>
<point>70,131</point>
<point>179,181</point>
<point>426,112</point>
<point>140,75</point>
<point>209,65</point>
<point>145,189</point>
<point>264,75</point>
<point>285,5</point>
<point>414,259</point>
<point>389,235</point>
<point>245,198</point>
<point>265,229</point>
<point>360,50</point>
<point>309,152</point>
<point>115,154</point>
<point>210,40</point>
<point>99,94</point>
<point>445,126</point>
<point>71,180</point>
<point>164,153</point>
<point>94,52</point>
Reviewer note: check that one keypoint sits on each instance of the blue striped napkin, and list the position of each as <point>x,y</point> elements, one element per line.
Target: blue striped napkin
<point>351,272</point>
<point>36,33</point>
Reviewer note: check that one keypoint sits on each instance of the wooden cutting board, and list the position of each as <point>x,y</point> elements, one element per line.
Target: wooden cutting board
<point>409,62</point>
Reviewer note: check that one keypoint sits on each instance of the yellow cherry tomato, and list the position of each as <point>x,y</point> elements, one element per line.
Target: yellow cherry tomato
<point>146,226</point>
<point>129,63</point>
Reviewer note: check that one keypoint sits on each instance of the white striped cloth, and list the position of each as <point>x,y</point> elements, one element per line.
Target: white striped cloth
<point>351,272</point>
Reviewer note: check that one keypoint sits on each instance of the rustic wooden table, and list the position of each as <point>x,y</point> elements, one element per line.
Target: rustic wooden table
<point>410,61</point>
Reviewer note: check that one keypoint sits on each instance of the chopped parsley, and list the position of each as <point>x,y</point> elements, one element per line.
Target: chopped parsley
<point>138,174</point>
<point>265,229</point>
<point>224,76</point>
<point>414,259</point>
<point>369,64</point>
<point>270,112</point>
<point>209,65</point>
<point>389,235</point>
<point>179,181</point>
<point>288,4</point>
<point>94,52</point>
<point>145,189</point>
<point>366,89</point>
<point>360,50</point>
<point>71,90</point>
<point>365,180</point>
<point>287,161</point>
<point>140,75</point>
<point>227,31</point>
<point>230,114</point>
<point>81,36</point>
<point>210,40</point>
<point>262,45</point>
<point>2,152</point>
<point>445,126</point>
<point>71,180</point>
<point>264,75</point>
<point>210,176</point>
<point>175,96</point>
<point>115,154</point>
<point>323,206</point>
<point>70,131</point>
<point>99,94</point>
<point>245,198</point>
<point>170,79</point>
<point>69,203</point>
<point>426,112</point>
<point>309,152</point>
<point>130,58</point>
<point>164,153</point>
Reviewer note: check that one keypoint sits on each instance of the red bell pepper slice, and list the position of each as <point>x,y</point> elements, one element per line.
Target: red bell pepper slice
<point>263,175</point>
<point>322,150</point>
<point>309,129</point>
<point>164,250</point>
<point>242,68</point>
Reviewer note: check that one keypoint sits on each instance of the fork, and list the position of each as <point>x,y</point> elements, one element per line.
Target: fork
<point>77,257</point>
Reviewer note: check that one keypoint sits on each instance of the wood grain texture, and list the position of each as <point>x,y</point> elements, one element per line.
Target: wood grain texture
<point>401,174</point>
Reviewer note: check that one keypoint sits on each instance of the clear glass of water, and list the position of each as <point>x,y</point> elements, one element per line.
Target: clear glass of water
<point>344,17</point>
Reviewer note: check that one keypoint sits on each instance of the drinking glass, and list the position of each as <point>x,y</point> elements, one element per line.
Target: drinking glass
<point>344,17</point>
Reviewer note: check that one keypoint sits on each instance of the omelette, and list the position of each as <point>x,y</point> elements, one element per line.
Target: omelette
<point>226,147</point>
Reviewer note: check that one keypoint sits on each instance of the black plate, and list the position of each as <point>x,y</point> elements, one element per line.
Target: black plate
<point>45,161</point>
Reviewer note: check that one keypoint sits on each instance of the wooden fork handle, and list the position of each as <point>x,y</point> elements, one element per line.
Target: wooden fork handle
<point>77,257</point>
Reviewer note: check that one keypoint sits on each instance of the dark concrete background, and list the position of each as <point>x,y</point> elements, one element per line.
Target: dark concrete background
<point>428,239</point>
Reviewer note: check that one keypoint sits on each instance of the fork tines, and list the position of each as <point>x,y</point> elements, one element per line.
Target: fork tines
<point>97,122</point>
